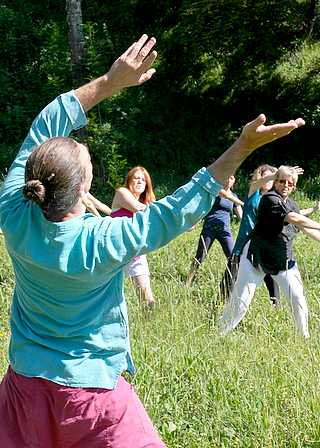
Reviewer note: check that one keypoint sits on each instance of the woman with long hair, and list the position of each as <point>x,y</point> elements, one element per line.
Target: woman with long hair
<point>135,197</point>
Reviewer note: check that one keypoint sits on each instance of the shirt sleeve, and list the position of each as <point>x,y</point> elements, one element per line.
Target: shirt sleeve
<point>273,207</point>
<point>161,222</point>
<point>58,118</point>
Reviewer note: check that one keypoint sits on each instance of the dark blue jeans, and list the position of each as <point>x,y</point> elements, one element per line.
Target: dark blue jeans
<point>211,232</point>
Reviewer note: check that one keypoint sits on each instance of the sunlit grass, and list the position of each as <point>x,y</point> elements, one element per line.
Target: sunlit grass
<point>257,387</point>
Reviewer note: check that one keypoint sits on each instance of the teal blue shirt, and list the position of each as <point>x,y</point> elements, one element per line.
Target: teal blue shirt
<point>69,320</point>
<point>248,221</point>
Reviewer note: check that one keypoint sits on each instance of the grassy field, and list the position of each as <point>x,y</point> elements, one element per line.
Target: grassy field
<point>257,387</point>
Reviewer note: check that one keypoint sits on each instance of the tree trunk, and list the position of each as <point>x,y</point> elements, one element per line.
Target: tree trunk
<point>76,41</point>
<point>77,47</point>
<point>311,16</point>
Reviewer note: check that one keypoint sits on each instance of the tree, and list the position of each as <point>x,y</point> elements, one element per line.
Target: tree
<point>76,41</point>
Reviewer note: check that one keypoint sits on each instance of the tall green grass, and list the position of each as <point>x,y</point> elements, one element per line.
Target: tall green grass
<point>256,387</point>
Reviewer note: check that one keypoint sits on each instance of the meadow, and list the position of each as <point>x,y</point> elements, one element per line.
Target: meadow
<point>256,387</point>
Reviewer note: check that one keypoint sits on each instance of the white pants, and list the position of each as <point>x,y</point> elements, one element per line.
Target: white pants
<point>248,279</point>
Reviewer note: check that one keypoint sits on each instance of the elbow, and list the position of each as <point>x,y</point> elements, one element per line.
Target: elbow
<point>292,218</point>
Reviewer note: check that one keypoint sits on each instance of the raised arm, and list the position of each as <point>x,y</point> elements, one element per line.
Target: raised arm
<point>258,183</point>
<point>59,118</point>
<point>132,68</point>
<point>67,112</point>
<point>123,198</point>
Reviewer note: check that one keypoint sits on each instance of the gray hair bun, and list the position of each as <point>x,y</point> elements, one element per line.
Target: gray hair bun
<point>35,191</point>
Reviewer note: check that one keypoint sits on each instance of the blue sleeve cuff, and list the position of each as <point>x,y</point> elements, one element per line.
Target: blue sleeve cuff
<point>74,109</point>
<point>207,181</point>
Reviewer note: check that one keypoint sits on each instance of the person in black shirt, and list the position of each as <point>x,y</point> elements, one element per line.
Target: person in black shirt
<point>269,251</point>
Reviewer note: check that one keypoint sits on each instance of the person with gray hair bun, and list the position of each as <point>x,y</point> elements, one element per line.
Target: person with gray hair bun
<point>269,251</point>
<point>70,346</point>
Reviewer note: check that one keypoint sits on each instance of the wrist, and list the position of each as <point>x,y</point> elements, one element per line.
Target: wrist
<point>109,85</point>
<point>244,145</point>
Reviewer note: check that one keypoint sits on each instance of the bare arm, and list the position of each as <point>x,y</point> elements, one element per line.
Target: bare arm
<point>257,184</point>
<point>238,211</point>
<point>228,195</point>
<point>308,211</point>
<point>301,221</point>
<point>99,205</point>
<point>123,198</point>
<point>253,135</point>
<point>132,68</point>
<point>312,233</point>
<point>88,203</point>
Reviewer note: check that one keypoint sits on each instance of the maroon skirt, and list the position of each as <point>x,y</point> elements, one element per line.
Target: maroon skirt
<point>37,413</point>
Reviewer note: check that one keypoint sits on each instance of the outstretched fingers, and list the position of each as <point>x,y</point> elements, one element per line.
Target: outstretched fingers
<point>149,60</point>
<point>147,75</point>
<point>298,170</point>
<point>128,51</point>
<point>141,49</point>
<point>281,129</point>
<point>256,133</point>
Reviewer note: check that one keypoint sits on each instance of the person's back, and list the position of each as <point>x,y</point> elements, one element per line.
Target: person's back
<point>65,273</point>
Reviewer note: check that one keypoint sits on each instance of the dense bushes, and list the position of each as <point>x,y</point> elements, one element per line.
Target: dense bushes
<point>220,64</point>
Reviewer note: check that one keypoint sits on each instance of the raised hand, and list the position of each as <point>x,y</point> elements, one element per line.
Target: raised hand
<point>256,133</point>
<point>133,67</point>
<point>298,170</point>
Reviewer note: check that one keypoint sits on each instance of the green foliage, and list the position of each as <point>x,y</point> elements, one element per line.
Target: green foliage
<point>311,186</point>
<point>221,62</point>
<point>110,164</point>
<point>298,74</point>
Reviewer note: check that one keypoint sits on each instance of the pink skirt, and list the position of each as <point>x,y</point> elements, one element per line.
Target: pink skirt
<point>37,413</point>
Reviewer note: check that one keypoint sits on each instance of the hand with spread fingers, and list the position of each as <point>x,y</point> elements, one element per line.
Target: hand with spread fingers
<point>256,133</point>
<point>298,170</point>
<point>133,67</point>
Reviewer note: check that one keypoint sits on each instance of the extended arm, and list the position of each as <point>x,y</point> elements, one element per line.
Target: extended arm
<point>123,198</point>
<point>308,211</point>
<point>93,204</point>
<point>58,118</point>
<point>301,221</point>
<point>253,135</point>
<point>257,184</point>
<point>66,112</point>
<point>312,233</point>
<point>228,195</point>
